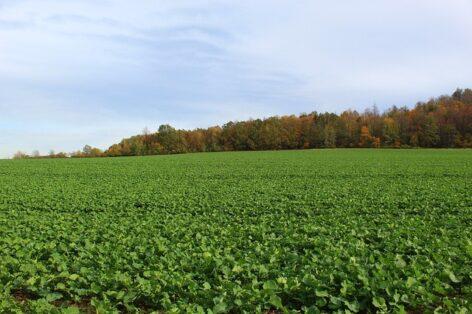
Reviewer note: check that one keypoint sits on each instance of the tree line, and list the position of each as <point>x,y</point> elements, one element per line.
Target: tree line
<point>443,122</point>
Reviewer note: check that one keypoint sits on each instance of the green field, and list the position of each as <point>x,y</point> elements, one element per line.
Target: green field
<point>315,230</point>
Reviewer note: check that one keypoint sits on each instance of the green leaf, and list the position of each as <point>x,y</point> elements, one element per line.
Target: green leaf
<point>31,281</point>
<point>399,261</point>
<point>379,302</point>
<point>410,282</point>
<point>468,248</point>
<point>353,306</point>
<point>237,269</point>
<point>270,285</point>
<point>71,310</point>
<point>452,276</point>
<point>220,308</point>
<point>276,301</point>
<point>120,295</point>
<point>51,297</point>
<point>60,286</point>
<point>322,293</point>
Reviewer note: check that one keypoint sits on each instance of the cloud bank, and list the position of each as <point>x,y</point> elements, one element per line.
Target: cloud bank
<point>92,72</point>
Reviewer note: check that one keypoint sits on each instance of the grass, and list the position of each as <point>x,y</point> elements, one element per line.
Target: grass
<point>316,230</point>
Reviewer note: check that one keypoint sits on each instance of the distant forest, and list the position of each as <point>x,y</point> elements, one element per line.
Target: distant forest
<point>442,122</point>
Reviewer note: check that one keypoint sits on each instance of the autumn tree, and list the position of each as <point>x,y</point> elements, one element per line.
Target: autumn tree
<point>445,121</point>
<point>365,139</point>
<point>329,136</point>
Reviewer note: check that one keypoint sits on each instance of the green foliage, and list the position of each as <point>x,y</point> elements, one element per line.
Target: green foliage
<point>258,232</point>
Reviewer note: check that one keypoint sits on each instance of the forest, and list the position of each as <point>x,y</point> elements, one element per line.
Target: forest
<point>442,122</point>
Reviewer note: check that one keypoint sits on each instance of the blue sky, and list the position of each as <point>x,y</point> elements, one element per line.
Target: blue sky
<point>92,72</point>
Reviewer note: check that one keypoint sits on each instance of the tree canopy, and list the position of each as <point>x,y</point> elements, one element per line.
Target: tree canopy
<point>442,122</point>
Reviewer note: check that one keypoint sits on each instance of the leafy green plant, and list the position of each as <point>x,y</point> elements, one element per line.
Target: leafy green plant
<point>300,231</point>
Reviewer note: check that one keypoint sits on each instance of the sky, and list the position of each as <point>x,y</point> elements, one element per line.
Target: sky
<point>95,71</point>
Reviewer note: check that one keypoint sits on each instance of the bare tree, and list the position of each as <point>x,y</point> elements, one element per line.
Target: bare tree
<point>20,155</point>
<point>87,150</point>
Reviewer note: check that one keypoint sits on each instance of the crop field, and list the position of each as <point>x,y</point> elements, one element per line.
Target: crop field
<point>271,232</point>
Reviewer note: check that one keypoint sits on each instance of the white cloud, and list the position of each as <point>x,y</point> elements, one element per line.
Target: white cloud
<point>124,65</point>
